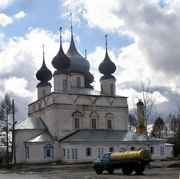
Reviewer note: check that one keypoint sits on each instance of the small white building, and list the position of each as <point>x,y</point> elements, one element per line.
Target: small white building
<point>73,122</point>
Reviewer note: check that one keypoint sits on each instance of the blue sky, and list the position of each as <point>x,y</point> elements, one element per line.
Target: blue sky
<point>142,42</point>
<point>49,15</point>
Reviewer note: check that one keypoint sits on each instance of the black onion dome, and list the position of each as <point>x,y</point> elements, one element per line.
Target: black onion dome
<point>78,64</point>
<point>107,67</point>
<point>44,74</point>
<point>61,61</point>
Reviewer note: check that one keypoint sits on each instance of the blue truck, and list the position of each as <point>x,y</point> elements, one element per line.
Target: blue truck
<point>128,161</point>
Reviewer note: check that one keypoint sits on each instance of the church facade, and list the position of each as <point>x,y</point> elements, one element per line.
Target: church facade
<point>73,122</point>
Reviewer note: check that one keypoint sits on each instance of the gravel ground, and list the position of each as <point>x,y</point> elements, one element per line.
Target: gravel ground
<point>159,170</point>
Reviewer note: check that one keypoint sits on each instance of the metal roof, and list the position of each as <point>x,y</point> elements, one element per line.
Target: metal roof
<point>43,137</point>
<point>106,135</point>
<point>31,123</point>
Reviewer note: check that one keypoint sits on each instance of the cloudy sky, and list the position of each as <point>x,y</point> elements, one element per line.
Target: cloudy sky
<point>143,41</point>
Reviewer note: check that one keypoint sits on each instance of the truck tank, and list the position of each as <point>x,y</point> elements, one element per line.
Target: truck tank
<point>131,155</point>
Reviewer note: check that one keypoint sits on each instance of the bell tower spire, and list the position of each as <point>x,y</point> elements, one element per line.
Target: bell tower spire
<point>106,42</point>
<point>107,68</point>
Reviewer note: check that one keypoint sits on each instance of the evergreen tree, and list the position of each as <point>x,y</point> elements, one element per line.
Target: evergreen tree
<point>177,143</point>
<point>158,128</point>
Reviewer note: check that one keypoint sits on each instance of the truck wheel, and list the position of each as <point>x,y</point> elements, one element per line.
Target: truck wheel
<point>110,170</point>
<point>127,170</point>
<point>99,171</point>
<point>139,169</point>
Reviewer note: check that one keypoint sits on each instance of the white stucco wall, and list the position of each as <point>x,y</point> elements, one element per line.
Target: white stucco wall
<point>162,151</point>
<point>106,87</point>
<point>43,91</point>
<point>36,152</point>
<point>58,82</point>
<point>73,80</point>
<point>56,110</point>
<point>20,137</point>
<point>97,149</point>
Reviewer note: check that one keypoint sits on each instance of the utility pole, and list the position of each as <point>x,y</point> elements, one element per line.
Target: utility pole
<point>13,134</point>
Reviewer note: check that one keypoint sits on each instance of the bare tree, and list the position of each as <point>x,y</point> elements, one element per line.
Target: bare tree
<point>6,111</point>
<point>148,100</point>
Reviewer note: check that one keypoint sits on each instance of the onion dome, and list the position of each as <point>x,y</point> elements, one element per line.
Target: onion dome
<point>107,67</point>
<point>44,74</point>
<point>61,62</point>
<point>78,64</point>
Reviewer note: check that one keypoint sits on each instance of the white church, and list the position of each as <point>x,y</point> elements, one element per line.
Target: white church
<point>74,123</point>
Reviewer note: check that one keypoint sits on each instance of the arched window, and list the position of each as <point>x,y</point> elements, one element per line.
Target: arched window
<point>101,89</point>
<point>152,149</point>
<point>77,116</point>
<point>76,126</point>
<point>27,151</point>
<point>78,82</point>
<point>94,120</point>
<point>93,123</point>
<point>109,124</point>
<point>48,151</point>
<point>65,85</point>
<point>112,89</point>
<point>88,152</point>
<point>109,120</point>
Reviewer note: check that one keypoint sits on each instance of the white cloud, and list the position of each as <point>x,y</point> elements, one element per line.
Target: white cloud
<point>5,3</point>
<point>99,13</point>
<point>17,86</point>
<point>5,20</point>
<point>19,15</point>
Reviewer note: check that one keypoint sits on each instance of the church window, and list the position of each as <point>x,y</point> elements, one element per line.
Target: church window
<point>161,150</point>
<point>111,149</point>
<point>152,149</point>
<point>65,84</point>
<point>43,92</point>
<point>48,151</point>
<point>109,124</point>
<point>101,89</point>
<point>88,152</point>
<point>64,152</point>
<point>93,121</point>
<point>78,82</point>
<point>76,120</point>
<point>68,154</point>
<point>74,154</point>
<point>100,152</point>
<point>109,120</point>
<point>112,89</point>
<point>27,151</point>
